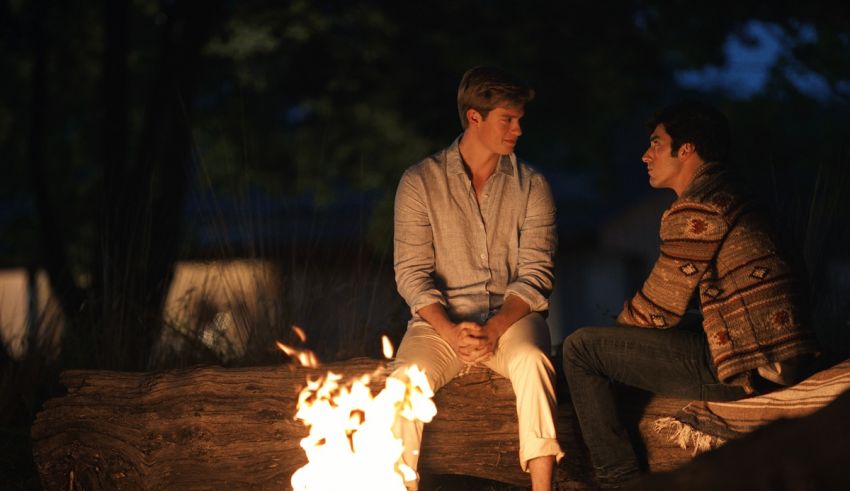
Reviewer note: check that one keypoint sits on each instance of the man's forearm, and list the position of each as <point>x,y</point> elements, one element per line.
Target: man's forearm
<point>435,314</point>
<point>512,310</point>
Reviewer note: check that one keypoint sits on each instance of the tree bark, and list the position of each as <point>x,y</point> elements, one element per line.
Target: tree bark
<point>216,428</point>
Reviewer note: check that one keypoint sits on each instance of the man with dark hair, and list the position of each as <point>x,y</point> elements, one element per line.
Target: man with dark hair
<point>474,246</point>
<point>718,249</point>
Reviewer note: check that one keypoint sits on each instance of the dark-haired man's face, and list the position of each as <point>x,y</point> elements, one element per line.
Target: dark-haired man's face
<point>663,167</point>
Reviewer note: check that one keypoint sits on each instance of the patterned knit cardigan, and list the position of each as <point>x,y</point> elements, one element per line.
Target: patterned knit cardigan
<point>713,241</point>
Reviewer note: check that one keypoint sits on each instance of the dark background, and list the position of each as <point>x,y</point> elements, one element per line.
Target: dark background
<point>136,135</point>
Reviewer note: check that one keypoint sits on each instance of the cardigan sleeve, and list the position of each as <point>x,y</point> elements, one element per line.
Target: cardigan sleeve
<point>691,233</point>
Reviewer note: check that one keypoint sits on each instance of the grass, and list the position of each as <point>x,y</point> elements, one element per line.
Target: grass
<point>25,383</point>
<point>232,312</point>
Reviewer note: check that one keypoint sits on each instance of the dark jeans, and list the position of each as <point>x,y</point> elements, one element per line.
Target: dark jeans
<point>674,362</point>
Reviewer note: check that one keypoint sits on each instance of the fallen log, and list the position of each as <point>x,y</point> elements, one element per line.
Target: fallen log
<point>216,428</point>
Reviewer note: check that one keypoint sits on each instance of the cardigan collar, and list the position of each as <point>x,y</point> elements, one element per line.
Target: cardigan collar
<point>705,172</point>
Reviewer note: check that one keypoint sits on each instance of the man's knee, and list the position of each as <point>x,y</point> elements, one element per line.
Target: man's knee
<point>576,345</point>
<point>400,371</point>
<point>530,358</point>
<point>586,350</point>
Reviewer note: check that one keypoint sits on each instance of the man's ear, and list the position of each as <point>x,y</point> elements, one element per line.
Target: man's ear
<point>686,150</point>
<point>473,116</point>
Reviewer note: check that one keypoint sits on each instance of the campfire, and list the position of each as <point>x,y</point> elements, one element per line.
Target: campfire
<point>351,444</point>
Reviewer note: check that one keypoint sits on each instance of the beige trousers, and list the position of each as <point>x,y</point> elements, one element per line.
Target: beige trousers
<point>520,356</point>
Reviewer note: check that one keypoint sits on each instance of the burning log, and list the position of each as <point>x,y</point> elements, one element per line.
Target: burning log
<point>216,428</point>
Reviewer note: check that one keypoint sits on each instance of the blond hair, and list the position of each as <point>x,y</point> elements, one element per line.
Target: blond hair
<point>486,88</point>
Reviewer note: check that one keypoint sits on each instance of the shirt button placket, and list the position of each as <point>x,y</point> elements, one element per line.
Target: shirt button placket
<point>483,255</point>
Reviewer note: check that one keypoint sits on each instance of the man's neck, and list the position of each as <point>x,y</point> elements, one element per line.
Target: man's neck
<point>479,162</point>
<point>691,166</point>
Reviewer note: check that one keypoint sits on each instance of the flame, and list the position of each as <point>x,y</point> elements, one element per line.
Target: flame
<point>387,346</point>
<point>351,444</point>
<point>305,357</point>
<point>300,333</point>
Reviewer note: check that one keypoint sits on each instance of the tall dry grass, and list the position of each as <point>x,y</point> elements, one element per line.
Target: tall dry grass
<point>228,309</point>
<point>232,312</point>
<point>27,378</point>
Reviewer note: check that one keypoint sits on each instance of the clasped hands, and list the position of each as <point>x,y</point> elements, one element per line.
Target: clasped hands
<point>473,342</point>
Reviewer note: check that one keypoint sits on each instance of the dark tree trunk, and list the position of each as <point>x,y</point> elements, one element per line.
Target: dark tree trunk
<point>142,210</point>
<point>115,321</point>
<point>52,241</point>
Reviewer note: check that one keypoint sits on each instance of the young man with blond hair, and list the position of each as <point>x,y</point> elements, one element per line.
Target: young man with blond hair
<point>474,245</point>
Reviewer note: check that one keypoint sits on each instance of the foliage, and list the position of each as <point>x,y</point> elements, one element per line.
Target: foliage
<point>311,100</point>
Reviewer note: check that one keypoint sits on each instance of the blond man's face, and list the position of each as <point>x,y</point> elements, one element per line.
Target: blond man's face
<point>500,130</point>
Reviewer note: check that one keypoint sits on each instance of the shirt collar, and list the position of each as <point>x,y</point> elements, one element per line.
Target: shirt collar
<point>454,163</point>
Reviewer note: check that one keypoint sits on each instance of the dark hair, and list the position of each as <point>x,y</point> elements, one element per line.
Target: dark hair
<point>697,123</point>
<point>486,88</point>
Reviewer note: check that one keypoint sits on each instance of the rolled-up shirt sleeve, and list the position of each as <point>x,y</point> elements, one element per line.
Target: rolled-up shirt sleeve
<point>414,245</point>
<point>538,242</point>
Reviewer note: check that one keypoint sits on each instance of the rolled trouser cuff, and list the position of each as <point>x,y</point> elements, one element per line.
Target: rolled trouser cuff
<point>539,447</point>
